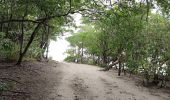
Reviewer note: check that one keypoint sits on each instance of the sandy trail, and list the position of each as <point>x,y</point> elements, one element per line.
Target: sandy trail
<point>85,82</point>
<point>68,81</point>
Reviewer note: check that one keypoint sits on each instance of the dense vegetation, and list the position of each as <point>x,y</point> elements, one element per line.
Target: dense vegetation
<point>127,35</point>
<point>27,26</point>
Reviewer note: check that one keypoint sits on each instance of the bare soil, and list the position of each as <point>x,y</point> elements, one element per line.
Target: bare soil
<point>68,81</point>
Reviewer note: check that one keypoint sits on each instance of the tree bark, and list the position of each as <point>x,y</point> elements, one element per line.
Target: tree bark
<point>47,52</point>
<point>82,52</point>
<point>119,70</point>
<point>21,37</point>
<point>22,28</point>
<point>47,41</point>
<point>93,59</point>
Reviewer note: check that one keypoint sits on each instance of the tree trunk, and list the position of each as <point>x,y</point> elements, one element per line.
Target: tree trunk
<point>93,59</point>
<point>82,52</point>
<point>22,37</point>
<point>104,58</point>
<point>124,71</point>
<point>42,44</point>
<point>120,59</point>
<point>119,70</point>
<point>29,43</point>
<point>47,51</point>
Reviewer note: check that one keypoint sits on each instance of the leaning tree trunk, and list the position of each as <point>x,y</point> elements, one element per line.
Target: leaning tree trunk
<point>28,44</point>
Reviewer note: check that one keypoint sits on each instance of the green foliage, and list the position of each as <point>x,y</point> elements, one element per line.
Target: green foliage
<point>6,46</point>
<point>70,59</point>
<point>3,87</point>
<point>130,34</point>
<point>18,21</point>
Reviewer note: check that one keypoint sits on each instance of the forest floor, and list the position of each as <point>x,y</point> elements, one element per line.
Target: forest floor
<point>68,81</point>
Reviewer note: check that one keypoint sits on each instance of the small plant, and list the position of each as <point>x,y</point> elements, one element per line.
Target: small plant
<point>3,87</point>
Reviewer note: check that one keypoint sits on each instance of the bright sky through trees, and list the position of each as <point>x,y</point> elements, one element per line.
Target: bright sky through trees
<point>57,48</point>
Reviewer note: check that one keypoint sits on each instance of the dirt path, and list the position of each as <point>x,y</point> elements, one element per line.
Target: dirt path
<point>85,82</point>
<point>68,81</point>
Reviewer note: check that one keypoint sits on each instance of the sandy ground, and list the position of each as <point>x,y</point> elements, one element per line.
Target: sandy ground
<point>68,81</point>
